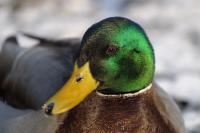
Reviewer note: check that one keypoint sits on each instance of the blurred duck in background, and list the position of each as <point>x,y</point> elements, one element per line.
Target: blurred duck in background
<point>28,77</point>
<point>115,58</point>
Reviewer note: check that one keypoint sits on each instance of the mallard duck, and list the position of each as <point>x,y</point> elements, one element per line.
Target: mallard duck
<point>27,73</point>
<point>111,88</point>
<point>28,77</point>
<point>115,58</point>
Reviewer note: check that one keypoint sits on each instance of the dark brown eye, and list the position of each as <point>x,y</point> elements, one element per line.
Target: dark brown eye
<point>136,50</point>
<point>111,50</point>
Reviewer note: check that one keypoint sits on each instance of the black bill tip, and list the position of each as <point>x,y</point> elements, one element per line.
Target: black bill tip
<point>48,108</point>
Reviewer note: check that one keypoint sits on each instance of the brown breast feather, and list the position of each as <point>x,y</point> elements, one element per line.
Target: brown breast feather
<point>145,112</point>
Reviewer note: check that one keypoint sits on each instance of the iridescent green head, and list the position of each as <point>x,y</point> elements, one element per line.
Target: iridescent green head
<point>120,55</point>
<point>116,57</point>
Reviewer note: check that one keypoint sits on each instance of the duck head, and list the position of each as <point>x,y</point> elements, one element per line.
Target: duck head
<point>115,57</point>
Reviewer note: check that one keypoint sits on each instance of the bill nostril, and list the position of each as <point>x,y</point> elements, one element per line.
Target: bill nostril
<point>48,109</point>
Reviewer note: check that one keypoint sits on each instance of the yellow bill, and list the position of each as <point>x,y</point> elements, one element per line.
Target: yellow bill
<point>77,88</point>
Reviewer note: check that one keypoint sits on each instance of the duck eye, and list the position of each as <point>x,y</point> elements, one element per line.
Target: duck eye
<point>136,50</point>
<point>111,50</point>
<point>78,78</point>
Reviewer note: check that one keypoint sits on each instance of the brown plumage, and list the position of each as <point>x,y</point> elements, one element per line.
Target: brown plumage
<point>151,110</point>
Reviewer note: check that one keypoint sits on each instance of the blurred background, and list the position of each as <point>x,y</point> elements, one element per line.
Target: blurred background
<point>173,27</point>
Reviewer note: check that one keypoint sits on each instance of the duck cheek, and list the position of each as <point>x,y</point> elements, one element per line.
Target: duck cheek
<point>97,70</point>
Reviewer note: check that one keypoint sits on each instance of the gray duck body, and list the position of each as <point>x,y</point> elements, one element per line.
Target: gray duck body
<point>28,77</point>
